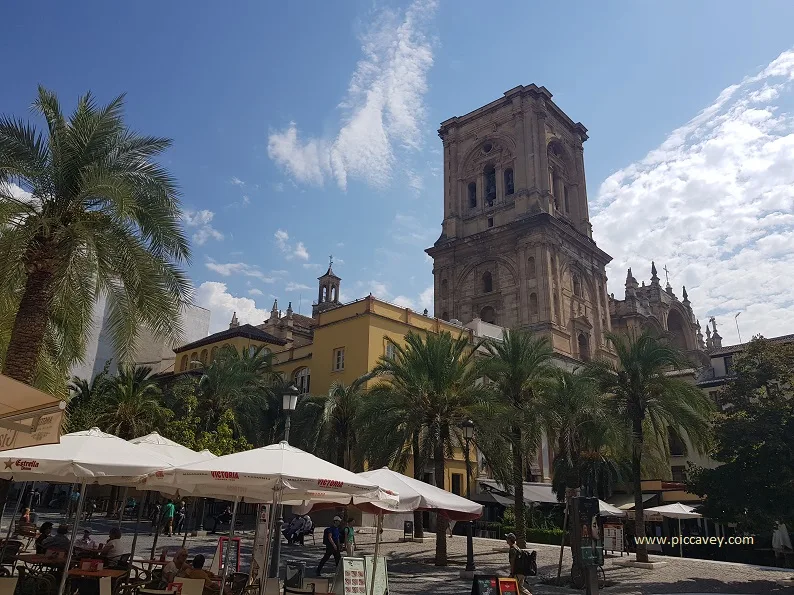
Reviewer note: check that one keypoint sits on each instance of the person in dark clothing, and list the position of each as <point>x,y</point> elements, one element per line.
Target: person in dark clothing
<point>332,540</point>
<point>223,518</point>
<point>44,533</point>
<point>181,513</point>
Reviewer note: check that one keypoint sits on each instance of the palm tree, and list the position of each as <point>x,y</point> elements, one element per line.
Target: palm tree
<point>96,216</point>
<point>85,398</point>
<point>519,367</point>
<point>429,387</point>
<point>327,423</point>
<point>246,384</point>
<point>650,402</point>
<point>131,404</point>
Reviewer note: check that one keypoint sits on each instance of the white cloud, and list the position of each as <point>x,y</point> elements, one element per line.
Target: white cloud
<point>227,269</point>
<point>408,229</point>
<point>15,192</point>
<point>290,251</point>
<point>404,301</point>
<point>292,286</point>
<point>714,203</point>
<point>201,221</point>
<point>415,181</point>
<point>278,186</point>
<point>255,292</point>
<point>216,298</point>
<point>384,108</point>
<point>426,299</point>
<point>312,266</point>
<point>237,181</point>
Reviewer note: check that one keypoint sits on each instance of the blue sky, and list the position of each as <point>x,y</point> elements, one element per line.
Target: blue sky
<point>305,129</point>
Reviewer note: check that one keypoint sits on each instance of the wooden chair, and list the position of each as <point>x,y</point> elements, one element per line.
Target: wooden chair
<point>25,531</point>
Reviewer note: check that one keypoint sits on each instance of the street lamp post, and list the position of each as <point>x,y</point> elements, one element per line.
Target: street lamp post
<point>289,401</point>
<point>468,435</point>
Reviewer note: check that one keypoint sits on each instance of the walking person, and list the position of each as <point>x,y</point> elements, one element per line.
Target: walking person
<point>515,557</point>
<point>181,513</point>
<point>332,543</point>
<point>154,517</point>
<point>350,538</point>
<point>168,517</point>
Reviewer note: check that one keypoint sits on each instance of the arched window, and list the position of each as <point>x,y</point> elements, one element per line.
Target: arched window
<point>577,286</point>
<point>302,379</point>
<point>675,328</point>
<point>490,184</point>
<point>533,304</point>
<point>194,360</point>
<point>445,316</point>
<point>204,357</point>
<point>252,350</point>
<point>488,314</point>
<point>509,185</point>
<point>531,267</point>
<point>333,293</point>
<point>444,289</point>
<point>183,365</point>
<point>323,294</point>
<point>487,282</point>
<point>472,195</point>
<point>584,348</point>
<point>214,353</point>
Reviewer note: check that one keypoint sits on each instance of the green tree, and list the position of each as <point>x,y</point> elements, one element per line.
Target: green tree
<point>427,390</point>
<point>131,404</point>
<point>650,402</point>
<point>519,368</point>
<point>754,441</point>
<point>99,217</point>
<point>85,400</point>
<point>327,423</point>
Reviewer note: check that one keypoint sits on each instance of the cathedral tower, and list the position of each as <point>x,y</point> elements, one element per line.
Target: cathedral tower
<point>516,245</point>
<point>328,291</point>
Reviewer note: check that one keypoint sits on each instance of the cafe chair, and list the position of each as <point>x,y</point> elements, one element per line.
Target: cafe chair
<point>105,586</point>
<point>191,586</point>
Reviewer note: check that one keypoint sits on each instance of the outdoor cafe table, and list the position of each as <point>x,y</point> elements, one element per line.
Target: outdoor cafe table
<point>40,560</point>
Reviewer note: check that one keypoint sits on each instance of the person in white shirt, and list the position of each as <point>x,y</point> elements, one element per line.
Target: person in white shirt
<point>113,549</point>
<point>176,567</point>
<point>86,542</point>
<point>294,528</point>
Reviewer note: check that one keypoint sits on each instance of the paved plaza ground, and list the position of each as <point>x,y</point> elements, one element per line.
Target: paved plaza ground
<point>411,571</point>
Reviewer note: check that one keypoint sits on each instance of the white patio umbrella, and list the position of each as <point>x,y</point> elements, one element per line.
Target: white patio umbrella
<point>676,511</point>
<point>268,474</point>
<point>605,509</point>
<point>87,457</point>
<point>177,455</point>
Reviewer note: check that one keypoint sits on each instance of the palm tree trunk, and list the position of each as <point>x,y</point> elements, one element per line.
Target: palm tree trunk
<point>518,488</point>
<point>419,530</point>
<point>639,510</point>
<point>30,326</point>
<point>441,521</point>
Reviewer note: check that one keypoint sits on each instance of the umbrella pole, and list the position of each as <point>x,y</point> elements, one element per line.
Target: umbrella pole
<point>122,506</point>
<point>562,545</point>
<point>158,522</point>
<point>193,524</point>
<point>378,527</point>
<point>229,544</point>
<point>78,513</point>
<point>253,550</point>
<point>268,543</point>
<point>11,523</point>
<point>135,535</point>
<point>680,541</point>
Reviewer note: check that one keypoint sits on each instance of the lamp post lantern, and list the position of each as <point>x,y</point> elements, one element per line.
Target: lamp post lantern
<point>289,402</point>
<point>468,435</point>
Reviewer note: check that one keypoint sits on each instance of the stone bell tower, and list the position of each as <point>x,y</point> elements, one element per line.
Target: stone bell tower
<point>328,292</point>
<point>516,245</point>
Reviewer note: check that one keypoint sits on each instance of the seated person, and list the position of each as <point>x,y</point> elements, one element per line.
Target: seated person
<point>59,541</point>
<point>176,567</point>
<point>44,533</point>
<point>211,587</point>
<point>294,528</point>
<point>85,542</point>
<point>113,549</point>
<point>308,525</point>
<point>25,518</point>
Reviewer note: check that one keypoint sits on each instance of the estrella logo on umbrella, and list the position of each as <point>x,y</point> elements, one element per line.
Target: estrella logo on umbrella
<point>330,483</point>
<point>21,464</point>
<point>225,475</point>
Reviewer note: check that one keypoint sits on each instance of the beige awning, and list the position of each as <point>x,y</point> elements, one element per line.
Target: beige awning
<point>28,417</point>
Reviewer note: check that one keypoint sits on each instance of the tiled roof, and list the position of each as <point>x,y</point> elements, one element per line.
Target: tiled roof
<point>736,348</point>
<point>305,321</point>
<point>246,331</point>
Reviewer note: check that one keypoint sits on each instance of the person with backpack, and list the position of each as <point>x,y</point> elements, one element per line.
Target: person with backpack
<point>332,540</point>
<point>520,563</point>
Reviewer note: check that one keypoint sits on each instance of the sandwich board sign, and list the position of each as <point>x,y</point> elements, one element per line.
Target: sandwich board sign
<point>350,577</point>
<point>381,586</point>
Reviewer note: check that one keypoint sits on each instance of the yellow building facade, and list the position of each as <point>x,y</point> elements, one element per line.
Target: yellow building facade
<point>339,343</point>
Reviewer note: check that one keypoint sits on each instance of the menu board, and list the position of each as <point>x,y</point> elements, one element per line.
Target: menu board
<point>262,535</point>
<point>508,586</point>
<point>220,555</point>
<point>485,585</point>
<point>350,577</point>
<point>613,537</point>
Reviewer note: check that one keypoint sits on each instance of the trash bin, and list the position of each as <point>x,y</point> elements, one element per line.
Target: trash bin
<point>295,572</point>
<point>408,529</point>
